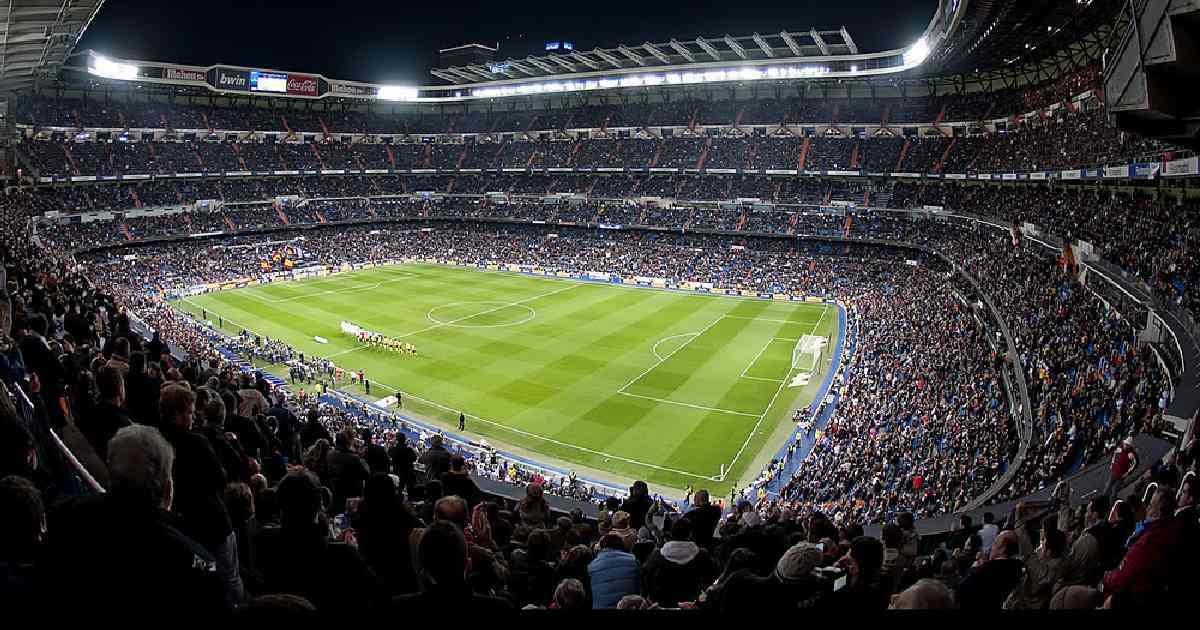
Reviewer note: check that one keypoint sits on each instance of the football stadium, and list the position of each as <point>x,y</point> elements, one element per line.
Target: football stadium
<point>578,370</point>
<point>825,315</point>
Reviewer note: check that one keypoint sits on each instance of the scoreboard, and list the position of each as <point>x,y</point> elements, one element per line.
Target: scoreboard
<point>268,82</point>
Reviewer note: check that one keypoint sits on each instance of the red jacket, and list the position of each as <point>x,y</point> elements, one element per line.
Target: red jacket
<point>1151,562</point>
<point>1122,462</point>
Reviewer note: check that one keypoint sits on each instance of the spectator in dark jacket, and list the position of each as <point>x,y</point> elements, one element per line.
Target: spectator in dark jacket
<point>347,472</point>
<point>375,455</point>
<point>109,416</point>
<point>298,558</point>
<point>637,504</point>
<point>457,482</point>
<point>403,458</point>
<point>679,570</point>
<point>313,430</point>
<point>534,509</point>
<point>990,581</point>
<point>126,546</point>
<point>704,516</point>
<point>40,360</point>
<point>141,390</point>
<point>21,532</point>
<point>199,484</point>
<point>436,460</point>
<point>614,573</point>
<point>382,525</point>
<point>229,453</point>
<point>442,564</point>
<point>791,584</point>
<point>865,589</point>
<point>533,574</point>
<point>239,503</point>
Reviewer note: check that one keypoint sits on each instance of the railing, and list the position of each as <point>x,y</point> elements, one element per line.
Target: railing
<point>53,453</point>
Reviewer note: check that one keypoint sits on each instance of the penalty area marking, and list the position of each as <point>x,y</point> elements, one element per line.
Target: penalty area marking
<point>727,469</point>
<point>654,349</point>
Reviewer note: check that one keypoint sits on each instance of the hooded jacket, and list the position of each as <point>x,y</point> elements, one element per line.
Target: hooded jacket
<point>676,573</point>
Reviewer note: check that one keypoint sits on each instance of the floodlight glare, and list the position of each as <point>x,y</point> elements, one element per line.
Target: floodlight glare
<point>396,93</point>
<point>916,53</point>
<point>109,69</point>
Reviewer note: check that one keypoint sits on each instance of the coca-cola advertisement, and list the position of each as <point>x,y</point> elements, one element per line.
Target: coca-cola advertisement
<point>302,85</point>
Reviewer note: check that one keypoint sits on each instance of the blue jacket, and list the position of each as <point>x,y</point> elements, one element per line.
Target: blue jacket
<point>614,574</point>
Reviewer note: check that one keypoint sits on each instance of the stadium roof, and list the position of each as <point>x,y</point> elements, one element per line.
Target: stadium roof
<point>771,47</point>
<point>38,37</point>
<point>997,34</point>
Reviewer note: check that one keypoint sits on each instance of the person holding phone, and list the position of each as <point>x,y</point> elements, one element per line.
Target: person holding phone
<point>864,586</point>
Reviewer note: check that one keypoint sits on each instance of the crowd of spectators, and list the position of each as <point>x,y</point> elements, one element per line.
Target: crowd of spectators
<point>511,117</point>
<point>221,496</point>
<point>1063,134</point>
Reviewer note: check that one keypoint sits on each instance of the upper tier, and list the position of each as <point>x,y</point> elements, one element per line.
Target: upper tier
<point>1072,139</point>
<point>771,108</point>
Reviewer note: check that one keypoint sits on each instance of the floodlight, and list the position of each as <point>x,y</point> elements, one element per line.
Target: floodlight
<point>104,67</point>
<point>916,53</point>
<point>396,93</point>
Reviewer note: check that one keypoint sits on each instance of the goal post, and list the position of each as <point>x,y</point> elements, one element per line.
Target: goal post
<point>806,355</point>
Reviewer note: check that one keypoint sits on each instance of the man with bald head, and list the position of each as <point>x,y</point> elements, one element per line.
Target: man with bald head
<point>926,594</point>
<point>989,582</point>
<point>452,509</point>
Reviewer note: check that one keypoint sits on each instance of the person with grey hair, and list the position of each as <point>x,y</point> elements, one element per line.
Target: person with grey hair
<point>926,594</point>
<point>125,549</point>
<point>199,484</point>
<point>570,595</point>
<point>225,445</point>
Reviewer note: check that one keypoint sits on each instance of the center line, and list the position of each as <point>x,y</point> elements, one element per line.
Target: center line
<point>490,310</point>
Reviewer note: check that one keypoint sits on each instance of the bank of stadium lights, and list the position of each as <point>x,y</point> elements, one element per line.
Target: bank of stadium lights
<point>917,53</point>
<point>670,78</point>
<point>107,68</point>
<point>396,93</point>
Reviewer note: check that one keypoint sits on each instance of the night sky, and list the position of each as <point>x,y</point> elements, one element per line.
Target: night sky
<point>396,42</point>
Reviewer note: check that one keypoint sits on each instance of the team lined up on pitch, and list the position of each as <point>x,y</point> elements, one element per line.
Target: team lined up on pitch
<point>376,340</point>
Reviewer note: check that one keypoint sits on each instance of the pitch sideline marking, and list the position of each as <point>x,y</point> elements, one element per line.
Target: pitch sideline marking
<point>749,437</point>
<point>774,321</point>
<point>716,478</point>
<point>669,355</point>
<point>522,432</point>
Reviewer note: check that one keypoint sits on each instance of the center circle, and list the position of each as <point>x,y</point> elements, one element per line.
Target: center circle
<point>481,314</point>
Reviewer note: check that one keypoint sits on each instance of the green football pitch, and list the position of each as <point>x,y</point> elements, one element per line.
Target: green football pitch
<point>614,381</point>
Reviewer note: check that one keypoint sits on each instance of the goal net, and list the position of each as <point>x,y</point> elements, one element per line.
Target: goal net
<point>806,356</point>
